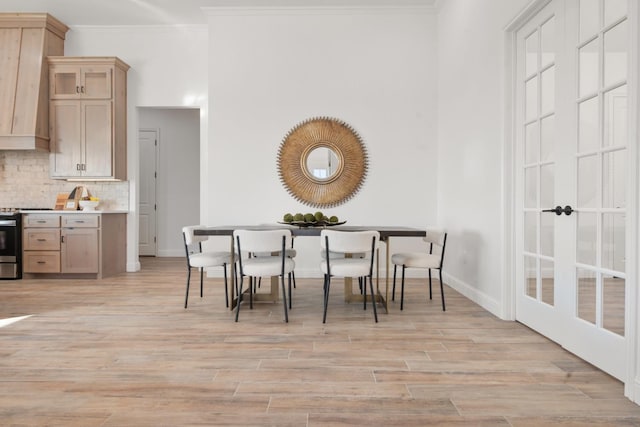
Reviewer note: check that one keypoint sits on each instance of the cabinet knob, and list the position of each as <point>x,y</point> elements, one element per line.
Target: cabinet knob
<point>77,89</point>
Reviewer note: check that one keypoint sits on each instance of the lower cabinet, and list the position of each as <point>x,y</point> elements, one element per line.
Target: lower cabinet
<point>79,250</point>
<point>69,244</point>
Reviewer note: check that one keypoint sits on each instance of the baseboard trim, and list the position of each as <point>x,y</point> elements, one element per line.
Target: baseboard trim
<point>133,267</point>
<point>480,298</point>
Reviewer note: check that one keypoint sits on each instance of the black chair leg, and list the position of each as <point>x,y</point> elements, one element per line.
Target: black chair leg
<point>284,300</point>
<point>430,291</point>
<point>186,297</point>
<point>201,280</point>
<point>226,291</point>
<point>393,292</point>
<point>294,285</point>
<point>251,288</point>
<point>363,290</point>
<point>239,297</point>
<point>327,284</point>
<point>293,275</point>
<point>402,290</point>
<point>373,298</point>
<point>441,290</point>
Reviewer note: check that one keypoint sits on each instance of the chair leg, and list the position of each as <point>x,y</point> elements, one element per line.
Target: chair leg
<point>441,290</point>
<point>294,285</point>
<point>186,297</point>
<point>393,292</point>
<point>363,290</point>
<point>251,288</point>
<point>327,284</point>
<point>430,291</point>
<point>284,300</point>
<point>226,291</point>
<point>239,296</point>
<point>201,277</point>
<point>402,290</point>
<point>373,298</point>
<point>293,275</point>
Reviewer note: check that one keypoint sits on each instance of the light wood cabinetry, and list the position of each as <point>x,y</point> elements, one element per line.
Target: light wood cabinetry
<point>26,39</point>
<point>79,244</point>
<point>71,244</point>
<point>73,81</point>
<point>41,244</point>
<point>88,118</point>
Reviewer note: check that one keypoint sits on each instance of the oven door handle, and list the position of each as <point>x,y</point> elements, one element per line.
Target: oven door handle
<point>9,222</point>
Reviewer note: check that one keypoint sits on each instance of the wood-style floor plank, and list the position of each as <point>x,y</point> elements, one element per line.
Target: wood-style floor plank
<point>124,352</point>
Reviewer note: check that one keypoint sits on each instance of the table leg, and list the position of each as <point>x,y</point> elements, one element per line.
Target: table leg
<point>386,287</point>
<point>232,282</point>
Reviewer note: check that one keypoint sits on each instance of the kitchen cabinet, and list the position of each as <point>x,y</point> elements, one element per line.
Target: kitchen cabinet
<point>41,244</point>
<point>79,244</point>
<point>72,244</point>
<point>73,81</point>
<point>88,118</point>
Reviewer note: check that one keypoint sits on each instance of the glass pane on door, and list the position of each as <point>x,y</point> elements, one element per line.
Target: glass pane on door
<point>547,282</point>
<point>586,298</point>
<point>615,117</point>
<point>613,301</point>
<point>615,54</point>
<point>587,181</point>
<point>588,137</point>
<point>589,14</point>
<point>613,242</point>
<point>589,68</point>
<point>614,10</point>
<point>587,234</point>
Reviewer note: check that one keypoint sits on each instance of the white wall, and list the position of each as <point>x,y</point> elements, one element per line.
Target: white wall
<point>178,182</point>
<point>471,185</point>
<point>270,70</point>
<point>168,69</point>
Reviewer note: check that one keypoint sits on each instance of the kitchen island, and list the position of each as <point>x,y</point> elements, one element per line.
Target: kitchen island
<point>73,244</point>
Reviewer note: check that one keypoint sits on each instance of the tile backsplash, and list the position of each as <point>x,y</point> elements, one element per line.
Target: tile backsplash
<point>25,183</point>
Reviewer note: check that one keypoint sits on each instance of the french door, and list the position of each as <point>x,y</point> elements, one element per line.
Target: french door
<point>573,178</point>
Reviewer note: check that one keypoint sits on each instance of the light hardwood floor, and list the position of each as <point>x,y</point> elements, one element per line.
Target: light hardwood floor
<point>124,352</point>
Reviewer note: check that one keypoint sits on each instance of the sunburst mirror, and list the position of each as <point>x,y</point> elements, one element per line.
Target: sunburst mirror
<point>322,162</point>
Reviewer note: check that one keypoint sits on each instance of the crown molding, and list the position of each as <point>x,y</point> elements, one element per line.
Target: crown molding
<point>319,10</point>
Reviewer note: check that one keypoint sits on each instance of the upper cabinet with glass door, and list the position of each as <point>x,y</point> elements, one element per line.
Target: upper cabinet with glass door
<point>80,78</point>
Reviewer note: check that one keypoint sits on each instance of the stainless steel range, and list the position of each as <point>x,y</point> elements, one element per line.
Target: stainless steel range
<point>10,244</point>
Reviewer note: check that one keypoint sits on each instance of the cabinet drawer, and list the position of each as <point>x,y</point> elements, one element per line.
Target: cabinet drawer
<point>41,239</point>
<point>81,221</point>
<point>46,221</point>
<point>41,262</point>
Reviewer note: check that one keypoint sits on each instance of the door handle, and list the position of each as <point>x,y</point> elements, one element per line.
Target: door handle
<point>568,210</point>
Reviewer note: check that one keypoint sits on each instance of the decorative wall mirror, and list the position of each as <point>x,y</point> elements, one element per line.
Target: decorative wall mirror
<point>322,162</point>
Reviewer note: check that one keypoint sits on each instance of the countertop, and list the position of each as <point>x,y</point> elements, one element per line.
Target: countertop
<point>61,212</point>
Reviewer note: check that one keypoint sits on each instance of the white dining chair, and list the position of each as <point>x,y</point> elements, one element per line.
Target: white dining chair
<point>196,258</point>
<point>337,262</point>
<point>433,259</point>
<point>264,242</point>
<point>290,253</point>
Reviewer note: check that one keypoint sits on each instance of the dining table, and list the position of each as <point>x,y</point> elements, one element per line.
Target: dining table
<point>386,234</point>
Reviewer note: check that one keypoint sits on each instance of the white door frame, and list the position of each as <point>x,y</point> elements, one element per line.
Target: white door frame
<point>632,380</point>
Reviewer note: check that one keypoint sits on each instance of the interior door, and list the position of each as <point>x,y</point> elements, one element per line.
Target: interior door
<point>147,245</point>
<point>571,178</point>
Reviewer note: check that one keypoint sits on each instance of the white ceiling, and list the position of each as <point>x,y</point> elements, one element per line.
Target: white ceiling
<point>168,12</point>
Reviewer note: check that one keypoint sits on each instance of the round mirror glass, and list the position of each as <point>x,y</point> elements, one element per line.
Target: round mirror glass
<point>322,163</point>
